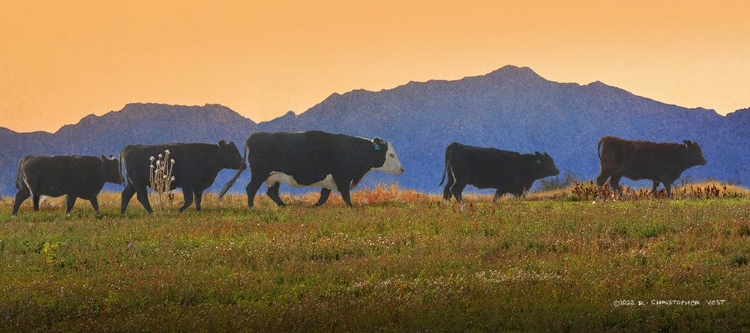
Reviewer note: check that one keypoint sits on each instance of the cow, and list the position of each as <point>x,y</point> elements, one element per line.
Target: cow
<point>505,171</point>
<point>195,169</point>
<point>636,160</point>
<point>72,175</point>
<point>313,158</point>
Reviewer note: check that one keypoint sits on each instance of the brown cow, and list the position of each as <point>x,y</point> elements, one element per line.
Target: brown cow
<point>659,162</point>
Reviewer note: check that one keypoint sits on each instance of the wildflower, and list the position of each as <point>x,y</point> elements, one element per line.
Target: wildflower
<point>166,152</point>
<point>152,158</point>
<point>172,178</point>
<point>160,156</point>
<point>158,162</point>
<point>171,161</point>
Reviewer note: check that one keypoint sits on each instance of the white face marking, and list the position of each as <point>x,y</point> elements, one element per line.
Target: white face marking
<point>280,177</point>
<point>391,165</point>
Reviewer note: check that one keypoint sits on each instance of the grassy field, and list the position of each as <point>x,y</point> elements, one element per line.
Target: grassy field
<point>397,261</point>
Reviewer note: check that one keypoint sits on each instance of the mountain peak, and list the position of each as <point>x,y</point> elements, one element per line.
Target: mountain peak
<point>515,72</point>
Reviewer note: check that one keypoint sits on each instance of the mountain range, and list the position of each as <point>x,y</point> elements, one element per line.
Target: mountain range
<point>511,108</point>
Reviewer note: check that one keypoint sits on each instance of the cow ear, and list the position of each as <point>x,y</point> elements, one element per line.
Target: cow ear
<point>222,143</point>
<point>687,143</point>
<point>377,142</point>
<point>104,158</point>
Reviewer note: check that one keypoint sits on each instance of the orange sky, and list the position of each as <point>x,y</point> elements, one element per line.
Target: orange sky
<point>62,60</point>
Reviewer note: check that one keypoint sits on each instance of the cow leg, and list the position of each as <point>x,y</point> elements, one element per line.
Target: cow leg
<point>95,203</point>
<point>35,199</point>
<point>273,193</point>
<point>70,200</point>
<point>655,186</point>
<point>198,199</point>
<point>344,188</point>
<point>252,188</point>
<point>21,195</point>
<point>324,193</point>
<point>497,196</point>
<point>668,186</point>
<point>447,189</point>
<point>602,178</point>
<point>187,193</point>
<point>456,189</point>
<point>614,183</point>
<point>142,196</point>
<point>127,194</point>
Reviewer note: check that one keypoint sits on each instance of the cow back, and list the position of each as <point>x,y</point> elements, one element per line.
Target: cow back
<point>82,176</point>
<point>312,152</point>
<point>663,162</point>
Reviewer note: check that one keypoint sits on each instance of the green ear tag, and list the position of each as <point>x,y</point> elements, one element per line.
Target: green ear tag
<point>538,162</point>
<point>377,146</point>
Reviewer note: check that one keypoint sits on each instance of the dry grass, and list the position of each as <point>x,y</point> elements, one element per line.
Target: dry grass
<point>384,194</point>
<point>704,190</point>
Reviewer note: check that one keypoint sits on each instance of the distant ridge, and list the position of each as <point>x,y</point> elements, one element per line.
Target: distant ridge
<point>510,108</point>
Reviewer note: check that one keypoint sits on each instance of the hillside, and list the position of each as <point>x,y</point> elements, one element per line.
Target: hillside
<point>511,108</point>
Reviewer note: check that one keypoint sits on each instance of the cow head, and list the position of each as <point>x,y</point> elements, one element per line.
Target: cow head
<point>391,164</point>
<point>111,170</point>
<point>229,156</point>
<point>694,154</point>
<point>545,165</point>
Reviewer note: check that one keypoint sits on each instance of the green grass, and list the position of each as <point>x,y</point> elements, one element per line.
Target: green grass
<point>409,263</point>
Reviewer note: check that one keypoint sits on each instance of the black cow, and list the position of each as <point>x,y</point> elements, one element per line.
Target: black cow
<point>659,162</point>
<point>506,171</point>
<point>77,176</point>
<point>313,158</point>
<point>195,169</point>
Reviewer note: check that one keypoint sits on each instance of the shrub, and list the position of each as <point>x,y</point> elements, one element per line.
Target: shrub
<point>558,182</point>
<point>160,178</point>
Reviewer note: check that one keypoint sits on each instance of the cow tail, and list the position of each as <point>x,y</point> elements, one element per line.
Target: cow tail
<point>445,167</point>
<point>120,167</point>
<point>18,174</point>
<point>236,175</point>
